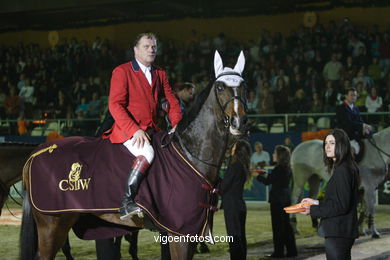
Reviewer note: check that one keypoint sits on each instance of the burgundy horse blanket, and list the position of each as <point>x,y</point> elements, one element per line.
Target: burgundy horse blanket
<point>81,174</point>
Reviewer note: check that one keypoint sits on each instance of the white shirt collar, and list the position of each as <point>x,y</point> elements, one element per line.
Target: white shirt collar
<point>143,67</point>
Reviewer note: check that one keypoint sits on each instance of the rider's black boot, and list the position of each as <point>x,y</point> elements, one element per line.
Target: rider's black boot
<point>129,208</point>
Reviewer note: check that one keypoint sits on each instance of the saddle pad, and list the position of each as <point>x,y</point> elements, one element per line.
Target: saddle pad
<point>81,174</point>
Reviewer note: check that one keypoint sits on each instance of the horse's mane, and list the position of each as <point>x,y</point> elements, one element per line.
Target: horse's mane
<point>195,108</point>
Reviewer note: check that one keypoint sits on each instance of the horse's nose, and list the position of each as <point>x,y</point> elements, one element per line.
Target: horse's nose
<point>238,122</point>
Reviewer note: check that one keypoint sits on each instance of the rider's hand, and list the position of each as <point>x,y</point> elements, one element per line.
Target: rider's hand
<point>367,129</point>
<point>140,137</point>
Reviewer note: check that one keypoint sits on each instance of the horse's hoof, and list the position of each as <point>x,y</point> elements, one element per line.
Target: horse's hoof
<point>376,235</point>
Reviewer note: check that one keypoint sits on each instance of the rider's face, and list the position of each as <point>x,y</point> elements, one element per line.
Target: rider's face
<point>330,144</point>
<point>145,51</point>
<point>351,97</point>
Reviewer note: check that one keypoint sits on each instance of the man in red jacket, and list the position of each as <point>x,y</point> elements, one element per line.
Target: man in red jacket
<point>135,90</point>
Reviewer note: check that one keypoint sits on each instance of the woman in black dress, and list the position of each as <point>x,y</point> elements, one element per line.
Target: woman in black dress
<point>280,197</point>
<point>233,204</point>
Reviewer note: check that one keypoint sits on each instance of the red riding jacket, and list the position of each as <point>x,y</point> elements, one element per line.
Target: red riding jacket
<point>133,102</point>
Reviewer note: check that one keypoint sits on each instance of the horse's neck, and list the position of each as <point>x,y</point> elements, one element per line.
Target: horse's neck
<point>373,155</point>
<point>205,140</point>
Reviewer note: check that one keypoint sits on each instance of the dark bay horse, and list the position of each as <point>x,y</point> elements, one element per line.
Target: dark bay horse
<point>307,165</point>
<point>204,141</point>
<point>12,158</point>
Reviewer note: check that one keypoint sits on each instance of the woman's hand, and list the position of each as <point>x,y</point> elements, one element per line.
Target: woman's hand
<point>257,172</point>
<point>309,202</point>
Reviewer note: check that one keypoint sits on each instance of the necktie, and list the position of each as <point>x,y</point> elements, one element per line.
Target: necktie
<point>148,75</point>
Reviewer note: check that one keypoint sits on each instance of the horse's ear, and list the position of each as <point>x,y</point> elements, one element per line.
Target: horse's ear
<point>240,63</point>
<point>218,65</point>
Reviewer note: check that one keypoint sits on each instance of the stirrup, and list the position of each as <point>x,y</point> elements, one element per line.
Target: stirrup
<point>129,215</point>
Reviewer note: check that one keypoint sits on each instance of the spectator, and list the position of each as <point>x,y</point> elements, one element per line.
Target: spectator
<point>373,101</point>
<point>26,95</point>
<point>266,101</point>
<point>288,143</point>
<point>361,99</point>
<point>299,104</point>
<point>373,104</point>
<point>12,104</point>
<point>253,102</point>
<point>330,97</point>
<point>3,96</point>
<point>259,158</point>
<point>281,97</point>
<point>364,79</point>
<point>315,104</point>
<point>95,106</point>
<point>333,69</point>
<point>374,70</point>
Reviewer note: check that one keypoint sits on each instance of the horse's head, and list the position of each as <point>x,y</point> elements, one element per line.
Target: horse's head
<point>230,92</point>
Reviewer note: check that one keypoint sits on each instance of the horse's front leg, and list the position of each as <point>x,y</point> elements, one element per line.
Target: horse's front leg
<point>53,232</point>
<point>369,196</point>
<point>181,250</point>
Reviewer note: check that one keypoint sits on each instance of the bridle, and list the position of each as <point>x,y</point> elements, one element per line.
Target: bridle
<point>226,117</point>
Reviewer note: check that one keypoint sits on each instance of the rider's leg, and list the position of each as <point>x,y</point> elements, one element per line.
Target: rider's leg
<point>355,147</point>
<point>144,157</point>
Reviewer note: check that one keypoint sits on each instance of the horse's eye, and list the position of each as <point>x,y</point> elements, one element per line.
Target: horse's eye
<point>220,86</point>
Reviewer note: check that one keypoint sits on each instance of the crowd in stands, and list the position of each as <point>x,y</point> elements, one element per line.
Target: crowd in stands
<point>303,72</point>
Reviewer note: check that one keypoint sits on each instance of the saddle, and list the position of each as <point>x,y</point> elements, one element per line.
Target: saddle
<point>87,175</point>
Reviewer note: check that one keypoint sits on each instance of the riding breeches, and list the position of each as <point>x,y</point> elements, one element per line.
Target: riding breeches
<point>146,151</point>
<point>355,146</point>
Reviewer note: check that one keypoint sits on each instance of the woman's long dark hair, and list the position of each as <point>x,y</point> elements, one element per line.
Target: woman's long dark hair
<point>283,154</point>
<point>242,154</point>
<point>342,152</point>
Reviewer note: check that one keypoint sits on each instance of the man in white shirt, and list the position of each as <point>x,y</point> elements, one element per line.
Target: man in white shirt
<point>259,158</point>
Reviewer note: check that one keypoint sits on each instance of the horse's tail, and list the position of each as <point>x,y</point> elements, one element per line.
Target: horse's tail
<point>28,231</point>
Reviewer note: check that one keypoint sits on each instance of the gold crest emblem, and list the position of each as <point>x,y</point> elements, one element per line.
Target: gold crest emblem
<point>74,181</point>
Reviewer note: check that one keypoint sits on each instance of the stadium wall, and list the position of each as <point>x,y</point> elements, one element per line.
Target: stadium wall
<point>246,28</point>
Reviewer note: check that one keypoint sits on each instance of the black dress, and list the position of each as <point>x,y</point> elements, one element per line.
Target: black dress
<point>280,197</point>
<point>234,207</point>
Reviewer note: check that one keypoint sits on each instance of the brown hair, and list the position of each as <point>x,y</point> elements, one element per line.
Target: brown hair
<point>283,154</point>
<point>148,35</point>
<point>242,154</point>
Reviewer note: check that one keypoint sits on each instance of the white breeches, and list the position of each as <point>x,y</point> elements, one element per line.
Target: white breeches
<point>355,146</point>
<point>146,151</point>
